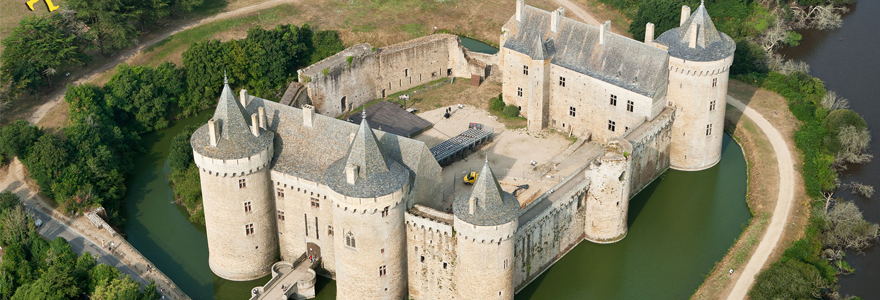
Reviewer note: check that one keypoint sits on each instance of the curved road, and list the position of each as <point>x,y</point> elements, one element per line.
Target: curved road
<point>785,198</point>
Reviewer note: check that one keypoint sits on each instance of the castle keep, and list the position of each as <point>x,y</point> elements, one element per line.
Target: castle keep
<point>287,184</point>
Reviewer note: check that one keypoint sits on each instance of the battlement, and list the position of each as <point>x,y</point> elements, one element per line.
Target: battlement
<point>234,167</point>
<point>423,217</point>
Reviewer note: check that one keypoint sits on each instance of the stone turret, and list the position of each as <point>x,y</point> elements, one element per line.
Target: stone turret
<point>608,197</point>
<point>370,192</point>
<point>485,223</point>
<point>699,67</point>
<point>233,159</point>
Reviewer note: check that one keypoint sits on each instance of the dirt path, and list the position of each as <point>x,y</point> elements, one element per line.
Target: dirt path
<point>781,212</point>
<point>58,95</point>
<point>580,12</point>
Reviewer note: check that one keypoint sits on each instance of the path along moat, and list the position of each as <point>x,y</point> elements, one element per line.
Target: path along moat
<point>680,225</point>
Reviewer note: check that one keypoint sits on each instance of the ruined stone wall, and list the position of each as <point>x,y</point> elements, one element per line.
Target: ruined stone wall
<point>693,87</point>
<point>430,254</point>
<point>377,72</point>
<point>650,155</point>
<point>301,222</point>
<point>547,237</point>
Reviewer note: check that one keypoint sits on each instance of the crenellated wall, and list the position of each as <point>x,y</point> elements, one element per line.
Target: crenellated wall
<point>431,253</point>
<point>651,142</point>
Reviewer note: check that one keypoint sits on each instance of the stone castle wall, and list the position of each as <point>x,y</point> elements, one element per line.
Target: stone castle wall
<point>374,73</point>
<point>485,260</point>
<point>650,153</point>
<point>430,254</point>
<point>304,222</point>
<point>547,237</point>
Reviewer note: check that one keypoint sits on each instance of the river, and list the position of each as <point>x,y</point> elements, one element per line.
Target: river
<point>680,225</point>
<point>846,59</point>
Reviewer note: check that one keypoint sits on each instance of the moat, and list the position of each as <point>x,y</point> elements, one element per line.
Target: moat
<point>680,225</point>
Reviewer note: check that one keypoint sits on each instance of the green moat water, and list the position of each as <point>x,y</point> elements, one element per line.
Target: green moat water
<point>680,226</point>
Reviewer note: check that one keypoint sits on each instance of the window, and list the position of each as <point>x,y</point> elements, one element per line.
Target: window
<point>242,184</point>
<point>382,250</point>
<point>329,230</point>
<point>708,129</point>
<point>714,82</point>
<point>506,263</point>
<point>317,229</point>
<point>525,70</point>
<point>405,72</point>
<point>249,229</point>
<point>306,223</point>
<point>613,100</point>
<point>444,265</point>
<point>712,105</point>
<point>280,193</point>
<point>562,81</point>
<point>349,239</point>
<point>519,91</point>
<point>571,111</point>
<point>316,203</point>
<point>385,212</point>
<point>629,106</point>
<point>382,271</point>
<point>247,206</point>
<point>280,215</point>
<point>611,125</point>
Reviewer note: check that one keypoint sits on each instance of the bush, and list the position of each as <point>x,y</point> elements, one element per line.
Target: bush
<point>842,118</point>
<point>511,111</point>
<point>792,279</point>
<point>16,139</point>
<point>496,104</point>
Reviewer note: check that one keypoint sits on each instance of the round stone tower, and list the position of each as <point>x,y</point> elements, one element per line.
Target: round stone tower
<point>233,159</point>
<point>699,66</point>
<point>608,196</point>
<point>485,224</point>
<point>370,192</point>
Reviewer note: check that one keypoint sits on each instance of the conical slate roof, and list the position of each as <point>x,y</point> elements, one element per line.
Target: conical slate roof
<point>711,44</point>
<point>235,138</point>
<point>542,50</point>
<point>377,175</point>
<point>492,205</point>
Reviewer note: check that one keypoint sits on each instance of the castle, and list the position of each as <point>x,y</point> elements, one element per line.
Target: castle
<point>293,182</point>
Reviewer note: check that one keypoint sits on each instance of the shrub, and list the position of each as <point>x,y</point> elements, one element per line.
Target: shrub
<point>496,104</point>
<point>792,279</point>
<point>511,111</point>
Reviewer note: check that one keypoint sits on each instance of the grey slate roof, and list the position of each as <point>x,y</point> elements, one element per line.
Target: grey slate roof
<point>377,175</point>
<point>236,140</point>
<point>621,61</point>
<point>711,44</point>
<point>493,205</point>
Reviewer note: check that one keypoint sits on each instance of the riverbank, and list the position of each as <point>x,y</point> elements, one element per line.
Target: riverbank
<point>763,185</point>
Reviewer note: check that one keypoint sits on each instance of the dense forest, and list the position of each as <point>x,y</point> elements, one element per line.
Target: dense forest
<point>85,166</point>
<point>830,138</point>
<point>33,268</point>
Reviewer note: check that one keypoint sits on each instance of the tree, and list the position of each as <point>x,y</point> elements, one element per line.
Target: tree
<point>36,49</point>
<point>180,156</point>
<point>49,157</point>
<point>16,139</point>
<point>792,279</point>
<point>117,289</point>
<point>16,227</point>
<point>665,14</point>
<point>854,144</point>
<point>111,22</point>
<point>846,228</point>
<point>832,101</point>
<point>8,201</point>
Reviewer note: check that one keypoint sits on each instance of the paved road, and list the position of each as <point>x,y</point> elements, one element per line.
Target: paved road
<point>784,202</point>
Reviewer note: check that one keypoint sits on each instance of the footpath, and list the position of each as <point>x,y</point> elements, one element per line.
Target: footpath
<point>84,236</point>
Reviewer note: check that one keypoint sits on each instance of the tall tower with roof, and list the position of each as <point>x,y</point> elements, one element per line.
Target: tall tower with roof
<point>485,223</point>
<point>699,66</point>
<point>369,191</point>
<point>233,157</point>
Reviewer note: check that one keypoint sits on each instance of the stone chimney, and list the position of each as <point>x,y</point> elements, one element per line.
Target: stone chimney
<point>556,18</point>
<point>693,38</point>
<point>519,9</point>
<point>308,115</point>
<point>255,125</point>
<point>262,112</point>
<point>243,97</point>
<point>685,14</point>
<point>603,35</point>
<point>213,132</point>
<point>351,173</point>
<point>649,33</point>
<point>472,203</point>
